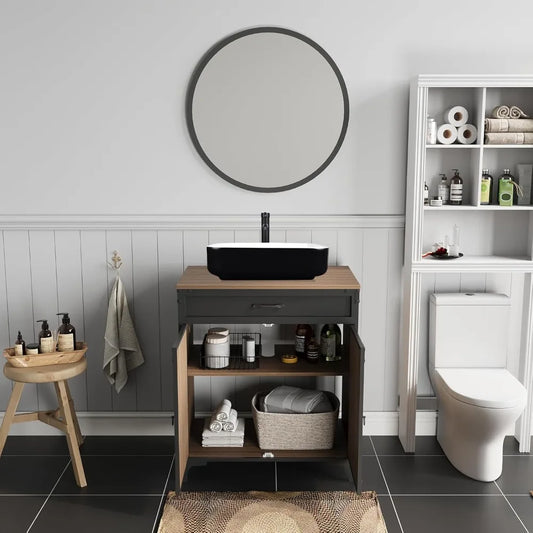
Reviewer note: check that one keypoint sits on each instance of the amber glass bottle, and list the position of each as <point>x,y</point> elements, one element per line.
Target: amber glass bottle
<point>303,335</point>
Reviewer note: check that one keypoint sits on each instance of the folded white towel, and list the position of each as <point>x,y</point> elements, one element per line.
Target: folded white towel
<point>237,433</point>
<point>223,410</point>
<point>231,423</point>
<point>122,351</point>
<point>222,445</point>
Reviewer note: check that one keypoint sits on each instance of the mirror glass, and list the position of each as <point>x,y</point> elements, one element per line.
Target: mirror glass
<point>267,109</point>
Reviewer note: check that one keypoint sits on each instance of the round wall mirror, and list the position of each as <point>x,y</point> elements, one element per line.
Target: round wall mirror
<point>267,109</point>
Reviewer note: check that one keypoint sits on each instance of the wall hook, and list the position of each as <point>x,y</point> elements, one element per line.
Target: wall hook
<point>116,261</point>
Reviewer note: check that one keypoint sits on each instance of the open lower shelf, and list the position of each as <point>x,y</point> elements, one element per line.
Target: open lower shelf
<point>269,366</point>
<point>251,449</point>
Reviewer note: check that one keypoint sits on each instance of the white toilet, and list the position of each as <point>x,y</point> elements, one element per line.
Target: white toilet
<point>478,398</point>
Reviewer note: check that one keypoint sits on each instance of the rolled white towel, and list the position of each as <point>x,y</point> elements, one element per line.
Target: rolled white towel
<point>223,410</point>
<point>501,111</point>
<point>215,425</point>
<point>516,112</point>
<point>231,423</point>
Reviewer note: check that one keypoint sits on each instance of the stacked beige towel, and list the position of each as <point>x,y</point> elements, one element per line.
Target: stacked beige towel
<point>509,138</point>
<point>508,125</point>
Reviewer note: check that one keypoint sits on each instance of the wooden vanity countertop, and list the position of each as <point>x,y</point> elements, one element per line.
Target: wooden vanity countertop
<point>335,278</point>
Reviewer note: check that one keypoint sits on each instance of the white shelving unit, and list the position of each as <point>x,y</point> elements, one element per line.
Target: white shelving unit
<point>493,238</point>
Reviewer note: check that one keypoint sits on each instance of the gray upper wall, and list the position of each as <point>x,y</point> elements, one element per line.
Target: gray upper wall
<point>93,97</point>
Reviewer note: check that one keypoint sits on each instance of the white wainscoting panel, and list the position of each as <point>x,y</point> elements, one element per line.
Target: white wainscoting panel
<point>60,264</point>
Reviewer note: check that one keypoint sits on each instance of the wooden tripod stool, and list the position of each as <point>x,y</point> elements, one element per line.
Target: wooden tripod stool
<point>63,418</point>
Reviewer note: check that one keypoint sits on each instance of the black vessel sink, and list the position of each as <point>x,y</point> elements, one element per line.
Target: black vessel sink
<point>267,260</point>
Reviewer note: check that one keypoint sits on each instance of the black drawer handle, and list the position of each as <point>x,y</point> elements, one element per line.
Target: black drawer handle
<point>268,306</point>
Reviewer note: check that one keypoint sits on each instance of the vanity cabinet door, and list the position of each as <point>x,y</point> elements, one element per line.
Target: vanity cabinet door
<point>352,400</point>
<point>184,403</point>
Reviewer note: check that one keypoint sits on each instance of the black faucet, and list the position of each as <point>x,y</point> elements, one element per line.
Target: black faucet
<point>265,227</point>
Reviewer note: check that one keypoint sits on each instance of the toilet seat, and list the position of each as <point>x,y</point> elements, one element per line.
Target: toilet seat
<point>495,388</point>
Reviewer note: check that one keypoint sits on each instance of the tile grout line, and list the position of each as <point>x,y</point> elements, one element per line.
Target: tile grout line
<point>386,485</point>
<point>48,497</point>
<point>163,495</point>
<point>512,508</point>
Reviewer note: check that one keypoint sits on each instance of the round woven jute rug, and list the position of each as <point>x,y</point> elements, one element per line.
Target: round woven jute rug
<point>272,512</point>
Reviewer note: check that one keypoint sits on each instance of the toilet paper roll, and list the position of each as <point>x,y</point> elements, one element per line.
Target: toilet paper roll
<point>446,134</point>
<point>456,116</point>
<point>467,134</point>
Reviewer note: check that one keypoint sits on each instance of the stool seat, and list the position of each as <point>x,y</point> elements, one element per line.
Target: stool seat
<point>63,418</point>
<point>45,374</point>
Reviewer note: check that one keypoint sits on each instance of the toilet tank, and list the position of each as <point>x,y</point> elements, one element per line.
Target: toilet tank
<point>468,330</point>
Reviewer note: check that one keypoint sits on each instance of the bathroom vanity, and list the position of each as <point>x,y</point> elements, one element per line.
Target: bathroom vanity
<point>205,299</point>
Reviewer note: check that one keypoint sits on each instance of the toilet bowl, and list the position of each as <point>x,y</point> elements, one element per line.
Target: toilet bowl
<point>477,409</point>
<point>478,399</point>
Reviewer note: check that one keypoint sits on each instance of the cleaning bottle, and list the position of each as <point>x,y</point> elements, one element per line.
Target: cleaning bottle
<point>46,341</point>
<point>66,335</point>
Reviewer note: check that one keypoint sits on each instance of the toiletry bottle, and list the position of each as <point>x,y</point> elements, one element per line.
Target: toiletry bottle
<point>46,340</point>
<point>444,189</point>
<point>66,335</point>
<point>303,335</point>
<point>506,192</point>
<point>313,351</point>
<point>426,194</point>
<point>486,187</point>
<point>456,188</point>
<point>330,342</point>
<point>20,345</point>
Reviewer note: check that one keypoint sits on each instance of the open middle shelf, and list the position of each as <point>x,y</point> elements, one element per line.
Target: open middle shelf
<point>269,366</point>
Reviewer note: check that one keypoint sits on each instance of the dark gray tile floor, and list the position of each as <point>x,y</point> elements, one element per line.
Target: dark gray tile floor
<point>129,478</point>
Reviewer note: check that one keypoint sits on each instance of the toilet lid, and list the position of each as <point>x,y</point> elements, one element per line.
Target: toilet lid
<point>485,387</point>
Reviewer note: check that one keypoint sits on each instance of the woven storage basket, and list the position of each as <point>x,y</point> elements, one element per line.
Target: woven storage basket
<point>310,431</point>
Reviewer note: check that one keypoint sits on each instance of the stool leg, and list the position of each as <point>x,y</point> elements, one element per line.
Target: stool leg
<point>10,413</point>
<point>72,439</point>
<point>79,436</point>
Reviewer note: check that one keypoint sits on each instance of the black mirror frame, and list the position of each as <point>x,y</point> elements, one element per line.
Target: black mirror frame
<point>194,80</point>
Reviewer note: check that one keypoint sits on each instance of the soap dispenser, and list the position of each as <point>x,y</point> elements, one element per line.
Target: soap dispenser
<point>66,335</point>
<point>46,341</point>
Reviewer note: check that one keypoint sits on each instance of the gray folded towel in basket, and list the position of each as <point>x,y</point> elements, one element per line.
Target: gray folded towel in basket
<point>286,399</point>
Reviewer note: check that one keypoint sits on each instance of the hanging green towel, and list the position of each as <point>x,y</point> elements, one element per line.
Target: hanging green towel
<point>122,351</point>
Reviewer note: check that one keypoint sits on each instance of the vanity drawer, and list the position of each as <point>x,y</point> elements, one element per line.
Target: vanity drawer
<point>258,306</point>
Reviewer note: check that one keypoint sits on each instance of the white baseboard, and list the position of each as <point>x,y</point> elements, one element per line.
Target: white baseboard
<point>386,423</point>
<point>134,423</point>
<point>148,423</point>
